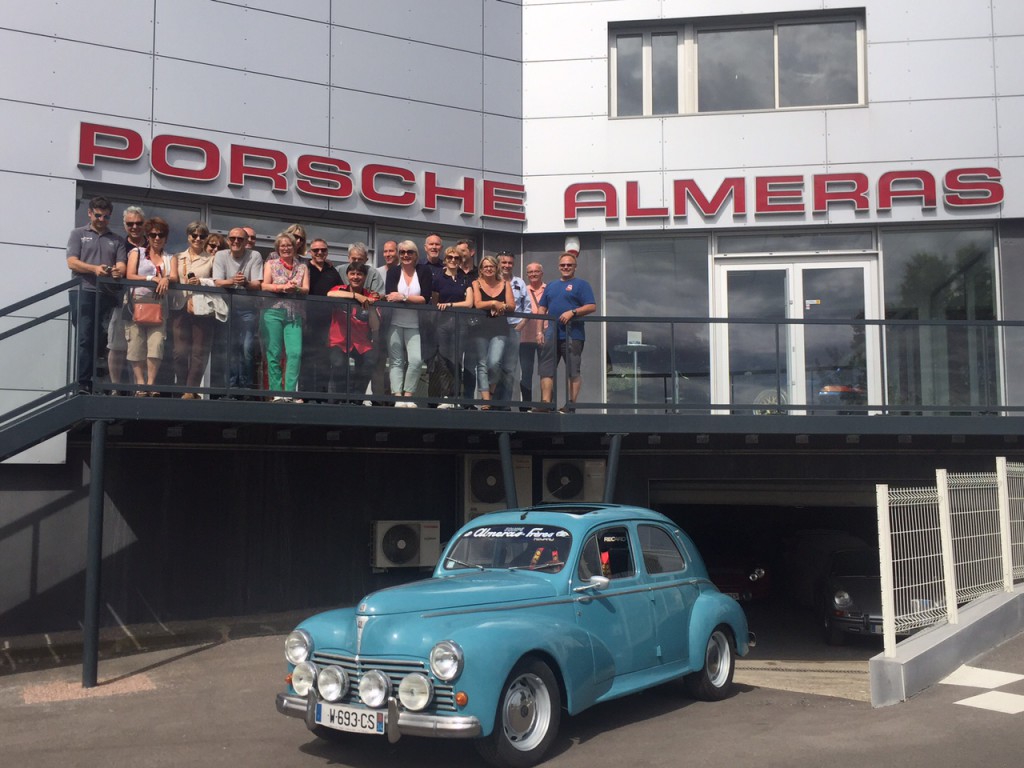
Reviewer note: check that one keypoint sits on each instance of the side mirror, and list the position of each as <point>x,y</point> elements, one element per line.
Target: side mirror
<point>596,583</point>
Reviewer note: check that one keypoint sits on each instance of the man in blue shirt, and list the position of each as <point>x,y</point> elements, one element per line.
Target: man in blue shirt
<point>567,299</point>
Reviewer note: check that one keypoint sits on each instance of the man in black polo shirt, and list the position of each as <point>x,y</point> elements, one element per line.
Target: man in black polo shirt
<point>93,250</point>
<point>316,363</point>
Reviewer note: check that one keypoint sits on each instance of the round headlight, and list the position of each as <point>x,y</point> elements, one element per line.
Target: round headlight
<point>842,599</point>
<point>415,691</point>
<point>374,688</point>
<point>446,660</point>
<point>303,677</point>
<point>332,682</point>
<point>298,646</point>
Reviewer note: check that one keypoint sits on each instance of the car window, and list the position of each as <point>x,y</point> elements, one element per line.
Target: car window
<point>660,553</point>
<point>607,553</point>
<point>532,547</point>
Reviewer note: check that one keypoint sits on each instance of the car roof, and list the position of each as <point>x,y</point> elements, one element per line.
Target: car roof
<point>570,514</point>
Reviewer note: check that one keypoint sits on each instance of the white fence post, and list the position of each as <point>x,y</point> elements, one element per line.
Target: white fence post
<point>1005,533</point>
<point>946,538</point>
<point>885,560</point>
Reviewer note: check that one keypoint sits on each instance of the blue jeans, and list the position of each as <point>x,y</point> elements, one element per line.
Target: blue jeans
<point>489,353</point>
<point>83,306</point>
<point>405,359</point>
<point>242,349</point>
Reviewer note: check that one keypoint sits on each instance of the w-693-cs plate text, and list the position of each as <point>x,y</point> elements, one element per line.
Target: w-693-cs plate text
<point>351,719</point>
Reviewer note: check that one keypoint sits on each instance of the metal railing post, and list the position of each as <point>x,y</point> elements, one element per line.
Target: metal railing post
<point>887,581</point>
<point>946,539</point>
<point>1006,550</point>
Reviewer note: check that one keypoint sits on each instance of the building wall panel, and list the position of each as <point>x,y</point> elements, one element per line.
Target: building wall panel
<point>52,72</point>
<point>249,38</point>
<point>923,70</point>
<point>451,23</point>
<point>565,89</point>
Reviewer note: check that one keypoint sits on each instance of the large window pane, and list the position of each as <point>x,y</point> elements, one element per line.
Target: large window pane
<point>629,80</point>
<point>665,65</point>
<point>790,242</point>
<point>944,274</point>
<point>735,70</point>
<point>658,277</point>
<point>177,217</point>
<point>338,236</point>
<point>818,64</point>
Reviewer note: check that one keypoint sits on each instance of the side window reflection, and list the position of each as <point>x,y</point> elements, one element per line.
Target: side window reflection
<point>660,553</point>
<point>607,553</point>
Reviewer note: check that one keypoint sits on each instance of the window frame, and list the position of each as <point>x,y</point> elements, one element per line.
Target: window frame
<point>688,76</point>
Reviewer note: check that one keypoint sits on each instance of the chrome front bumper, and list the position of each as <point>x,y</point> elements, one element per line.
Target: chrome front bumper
<point>399,722</point>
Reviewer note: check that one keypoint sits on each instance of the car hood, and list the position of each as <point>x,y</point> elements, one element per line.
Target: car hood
<point>465,590</point>
<point>392,622</point>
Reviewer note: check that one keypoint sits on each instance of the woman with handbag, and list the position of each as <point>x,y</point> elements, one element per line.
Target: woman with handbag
<point>147,326</point>
<point>193,334</point>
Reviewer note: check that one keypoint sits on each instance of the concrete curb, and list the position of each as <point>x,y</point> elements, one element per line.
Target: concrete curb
<point>927,657</point>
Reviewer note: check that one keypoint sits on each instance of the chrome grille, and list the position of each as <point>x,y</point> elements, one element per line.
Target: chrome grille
<point>444,694</point>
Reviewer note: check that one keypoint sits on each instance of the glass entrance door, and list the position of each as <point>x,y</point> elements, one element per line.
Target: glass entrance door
<point>829,364</point>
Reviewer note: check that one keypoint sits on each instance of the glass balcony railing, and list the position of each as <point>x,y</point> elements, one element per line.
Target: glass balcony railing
<point>214,343</point>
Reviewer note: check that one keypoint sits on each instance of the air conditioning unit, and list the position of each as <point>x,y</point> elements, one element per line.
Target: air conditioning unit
<point>406,543</point>
<point>573,479</point>
<point>484,485</point>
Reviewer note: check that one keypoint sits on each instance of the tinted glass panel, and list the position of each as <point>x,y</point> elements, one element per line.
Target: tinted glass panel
<point>818,64</point>
<point>773,242</point>
<point>659,550</point>
<point>665,64</point>
<point>946,274</point>
<point>735,70</point>
<point>629,75</point>
<point>661,277</point>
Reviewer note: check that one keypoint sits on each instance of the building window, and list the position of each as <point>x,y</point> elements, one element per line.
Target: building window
<point>707,65</point>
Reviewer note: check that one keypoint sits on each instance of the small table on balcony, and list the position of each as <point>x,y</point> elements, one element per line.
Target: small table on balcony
<point>635,349</point>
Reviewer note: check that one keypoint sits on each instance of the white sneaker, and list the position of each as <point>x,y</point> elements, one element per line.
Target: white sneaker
<point>401,404</point>
<point>411,405</point>
<point>445,406</point>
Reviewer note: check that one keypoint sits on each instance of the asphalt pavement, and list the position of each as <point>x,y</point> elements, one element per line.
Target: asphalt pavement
<point>212,704</point>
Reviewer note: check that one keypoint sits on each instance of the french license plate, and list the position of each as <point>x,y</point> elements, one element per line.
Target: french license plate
<point>350,719</point>
<point>876,629</point>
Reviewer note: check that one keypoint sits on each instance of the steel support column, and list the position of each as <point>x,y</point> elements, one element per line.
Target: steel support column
<point>508,474</point>
<point>612,473</point>
<point>94,557</point>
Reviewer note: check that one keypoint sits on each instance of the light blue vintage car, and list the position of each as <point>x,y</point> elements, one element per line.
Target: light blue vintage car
<point>528,612</point>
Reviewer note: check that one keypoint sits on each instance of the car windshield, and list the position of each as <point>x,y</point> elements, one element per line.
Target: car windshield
<point>856,562</point>
<point>515,546</point>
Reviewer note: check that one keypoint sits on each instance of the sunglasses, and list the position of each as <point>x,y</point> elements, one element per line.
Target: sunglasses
<point>197,236</point>
<point>406,253</point>
<point>318,250</point>
<point>237,239</point>
<point>97,215</point>
<point>566,266</point>
<point>153,235</point>
<point>133,223</point>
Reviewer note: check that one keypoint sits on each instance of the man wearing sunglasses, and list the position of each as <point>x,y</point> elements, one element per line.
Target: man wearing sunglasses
<point>240,269</point>
<point>133,219</point>
<point>567,299</point>
<point>93,251</point>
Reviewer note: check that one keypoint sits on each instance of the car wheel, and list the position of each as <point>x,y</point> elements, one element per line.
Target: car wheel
<point>713,681</point>
<point>526,723</point>
<point>834,635</point>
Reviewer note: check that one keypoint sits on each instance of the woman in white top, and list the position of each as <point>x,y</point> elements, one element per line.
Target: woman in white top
<point>406,283</point>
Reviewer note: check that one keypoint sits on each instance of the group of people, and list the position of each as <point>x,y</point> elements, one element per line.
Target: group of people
<point>363,334</point>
